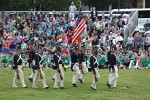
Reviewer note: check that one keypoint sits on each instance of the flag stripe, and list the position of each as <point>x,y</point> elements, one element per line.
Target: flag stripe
<point>80,28</point>
<point>79,24</point>
<point>78,31</point>
<point>78,35</point>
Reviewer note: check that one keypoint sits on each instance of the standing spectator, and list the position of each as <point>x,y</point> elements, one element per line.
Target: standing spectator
<point>110,38</point>
<point>130,42</point>
<point>1,44</point>
<point>23,45</point>
<point>147,41</point>
<point>110,17</point>
<point>93,14</point>
<point>72,10</point>
<point>72,23</point>
<point>119,38</point>
<point>137,41</point>
<point>1,29</point>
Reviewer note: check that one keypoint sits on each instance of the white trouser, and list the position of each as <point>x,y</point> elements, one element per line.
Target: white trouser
<point>32,75</point>
<point>37,72</point>
<point>84,71</point>
<point>55,75</point>
<point>21,76</point>
<point>131,64</point>
<point>97,76</point>
<point>59,77</point>
<point>137,65</point>
<point>71,15</point>
<point>76,74</point>
<point>113,76</point>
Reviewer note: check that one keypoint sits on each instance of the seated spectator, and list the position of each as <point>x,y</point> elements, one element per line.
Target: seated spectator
<point>12,46</point>
<point>7,45</point>
<point>130,55</point>
<point>5,60</point>
<point>126,62</point>
<point>133,64</point>
<point>121,61</point>
<point>147,41</point>
<point>23,45</point>
<point>102,61</point>
<point>145,62</point>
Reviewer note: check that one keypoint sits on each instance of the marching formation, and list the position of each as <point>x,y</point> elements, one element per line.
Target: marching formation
<point>77,59</point>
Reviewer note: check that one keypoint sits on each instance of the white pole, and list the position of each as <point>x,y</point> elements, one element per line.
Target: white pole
<point>80,3</point>
<point>143,3</point>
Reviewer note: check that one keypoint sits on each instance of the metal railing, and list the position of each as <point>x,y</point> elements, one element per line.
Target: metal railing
<point>49,13</point>
<point>133,22</point>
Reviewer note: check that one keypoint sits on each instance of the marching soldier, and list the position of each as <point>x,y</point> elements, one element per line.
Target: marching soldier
<point>31,62</point>
<point>75,66</point>
<point>39,71</point>
<point>113,75</point>
<point>59,75</point>
<point>82,63</point>
<point>18,70</point>
<point>94,69</point>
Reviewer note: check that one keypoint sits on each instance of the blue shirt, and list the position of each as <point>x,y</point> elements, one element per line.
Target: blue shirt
<point>130,40</point>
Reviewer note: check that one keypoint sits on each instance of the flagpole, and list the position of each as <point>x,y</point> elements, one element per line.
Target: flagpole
<point>79,29</point>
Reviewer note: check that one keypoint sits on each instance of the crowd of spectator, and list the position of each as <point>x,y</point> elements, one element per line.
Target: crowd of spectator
<point>44,30</point>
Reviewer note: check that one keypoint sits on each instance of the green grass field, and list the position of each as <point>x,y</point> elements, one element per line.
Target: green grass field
<point>132,85</point>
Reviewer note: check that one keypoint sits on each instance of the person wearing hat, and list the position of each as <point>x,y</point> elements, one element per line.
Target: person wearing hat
<point>38,70</point>
<point>75,65</point>
<point>31,62</point>
<point>58,64</point>
<point>113,69</point>
<point>72,10</point>
<point>82,62</point>
<point>18,69</point>
<point>94,68</point>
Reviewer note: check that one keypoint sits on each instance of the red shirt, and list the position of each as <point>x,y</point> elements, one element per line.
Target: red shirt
<point>7,46</point>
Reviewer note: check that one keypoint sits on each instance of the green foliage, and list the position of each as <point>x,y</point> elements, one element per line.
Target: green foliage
<point>21,5</point>
<point>131,85</point>
<point>103,4</point>
<point>59,5</point>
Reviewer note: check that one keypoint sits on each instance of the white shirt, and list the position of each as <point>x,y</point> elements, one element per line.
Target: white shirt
<point>114,41</point>
<point>147,40</point>
<point>103,38</point>
<point>96,23</point>
<point>110,37</point>
<point>72,8</point>
<point>72,23</point>
<point>119,38</point>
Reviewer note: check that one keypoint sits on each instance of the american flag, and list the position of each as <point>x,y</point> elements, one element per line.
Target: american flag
<point>80,27</point>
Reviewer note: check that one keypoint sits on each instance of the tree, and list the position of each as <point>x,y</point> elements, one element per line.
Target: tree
<point>59,5</point>
<point>103,4</point>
